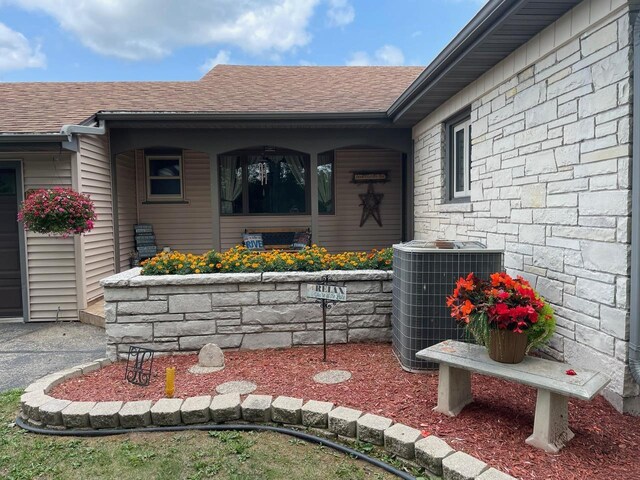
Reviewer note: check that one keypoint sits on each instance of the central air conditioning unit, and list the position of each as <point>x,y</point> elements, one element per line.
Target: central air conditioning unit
<point>424,274</point>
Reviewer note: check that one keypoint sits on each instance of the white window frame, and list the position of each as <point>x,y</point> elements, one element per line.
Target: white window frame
<point>155,197</point>
<point>465,125</point>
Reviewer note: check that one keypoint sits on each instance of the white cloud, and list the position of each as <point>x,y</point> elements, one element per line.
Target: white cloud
<point>17,53</point>
<point>385,55</point>
<point>141,29</point>
<point>222,57</point>
<point>340,13</point>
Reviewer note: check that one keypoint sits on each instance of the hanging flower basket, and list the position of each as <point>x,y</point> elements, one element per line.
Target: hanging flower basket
<point>505,314</point>
<point>57,211</point>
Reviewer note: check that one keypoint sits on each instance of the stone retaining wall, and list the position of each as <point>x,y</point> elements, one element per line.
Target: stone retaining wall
<point>405,443</point>
<point>241,310</point>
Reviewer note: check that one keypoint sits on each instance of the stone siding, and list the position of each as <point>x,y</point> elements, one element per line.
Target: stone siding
<point>550,184</point>
<point>253,310</point>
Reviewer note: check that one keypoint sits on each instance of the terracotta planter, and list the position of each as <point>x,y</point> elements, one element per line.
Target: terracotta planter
<point>506,346</point>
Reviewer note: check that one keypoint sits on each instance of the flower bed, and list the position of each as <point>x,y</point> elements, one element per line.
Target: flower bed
<point>239,260</point>
<point>493,428</point>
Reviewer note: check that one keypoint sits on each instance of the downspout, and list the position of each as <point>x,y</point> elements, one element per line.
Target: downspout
<point>69,130</point>
<point>634,330</point>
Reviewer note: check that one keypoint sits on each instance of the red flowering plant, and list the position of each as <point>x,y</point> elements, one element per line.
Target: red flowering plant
<point>57,210</point>
<point>501,303</point>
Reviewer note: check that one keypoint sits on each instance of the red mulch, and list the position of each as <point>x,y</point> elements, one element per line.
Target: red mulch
<point>493,428</point>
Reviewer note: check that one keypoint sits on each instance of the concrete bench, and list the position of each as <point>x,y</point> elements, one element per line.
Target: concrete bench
<point>551,424</point>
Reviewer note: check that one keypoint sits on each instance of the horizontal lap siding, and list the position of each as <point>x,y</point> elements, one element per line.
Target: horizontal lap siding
<point>50,259</point>
<point>127,209</point>
<point>342,231</point>
<point>185,227</point>
<point>232,227</point>
<point>95,180</point>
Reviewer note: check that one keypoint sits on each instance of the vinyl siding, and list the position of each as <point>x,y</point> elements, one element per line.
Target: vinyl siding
<point>95,180</point>
<point>186,227</point>
<point>51,267</point>
<point>342,231</point>
<point>127,207</point>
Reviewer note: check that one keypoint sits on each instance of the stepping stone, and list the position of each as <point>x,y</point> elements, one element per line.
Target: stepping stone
<point>257,408</point>
<point>242,387</point>
<point>287,410</point>
<point>135,414</point>
<point>166,412</point>
<point>316,414</point>
<point>400,440</point>
<point>226,408</point>
<point>342,421</point>
<point>196,410</point>
<point>332,376</point>
<point>371,428</point>
<point>76,415</point>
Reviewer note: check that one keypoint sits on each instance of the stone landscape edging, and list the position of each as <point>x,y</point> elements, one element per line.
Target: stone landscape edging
<point>408,444</point>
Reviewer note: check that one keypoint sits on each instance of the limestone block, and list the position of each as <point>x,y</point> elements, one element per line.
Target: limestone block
<point>315,337</point>
<point>257,408</point>
<point>166,412</point>
<point>160,317</point>
<point>51,412</point>
<point>460,466</point>
<point>234,299</point>
<point>76,415</point>
<point>343,421</point>
<point>124,294</point>
<point>363,287</point>
<point>226,408</point>
<point>253,341</point>
<point>369,335</point>
<point>400,440</point>
<point>197,302</point>
<point>370,428</point>
<point>280,314</point>
<point>142,307</point>
<point>316,414</point>
<point>430,452</point>
<point>135,414</point>
<point>120,279</point>
<point>279,297</point>
<point>130,332</point>
<point>196,410</point>
<point>287,410</point>
<point>367,321</point>
<point>493,474</point>
<point>179,329</point>
<point>197,342</point>
<point>105,415</point>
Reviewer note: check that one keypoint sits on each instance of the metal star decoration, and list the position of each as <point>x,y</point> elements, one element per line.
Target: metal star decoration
<point>370,205</point>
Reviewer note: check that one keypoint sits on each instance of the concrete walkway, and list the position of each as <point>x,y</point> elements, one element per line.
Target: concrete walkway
<point>30,351</point>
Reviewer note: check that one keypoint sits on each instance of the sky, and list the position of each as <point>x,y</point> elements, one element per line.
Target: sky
<point>114,40</point>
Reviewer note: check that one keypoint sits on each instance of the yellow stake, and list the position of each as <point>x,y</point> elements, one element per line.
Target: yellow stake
<point>170,384</point>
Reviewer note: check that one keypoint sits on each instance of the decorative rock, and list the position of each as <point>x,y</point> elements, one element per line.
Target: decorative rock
<point>316,414</point>
<point>226,408</point>
<point>31,402</point>
<point>196,410</point>
<point>400,440</point>
<point>166,412</point>
<point>210,359</point>
<point>105,415</point>
<point>135,414</point>
<point>76,415</point>
<point>493,474</point>
<point>342,421</point>
<point>460,466</point>
<point>370,428</point>
<point>241,387</point>
<point>430,452</point>
<point>257,408</point>
<point>332,376</point>
<point>51,412</point>
<point>287,410</point>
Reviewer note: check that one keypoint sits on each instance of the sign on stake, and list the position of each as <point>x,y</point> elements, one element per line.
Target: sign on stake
<point>328,294</point>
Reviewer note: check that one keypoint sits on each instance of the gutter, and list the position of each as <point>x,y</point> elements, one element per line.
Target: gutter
<point>634,330</point>
<point>70,130</point>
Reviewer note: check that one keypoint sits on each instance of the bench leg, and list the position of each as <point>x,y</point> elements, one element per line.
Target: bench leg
<point>551,424</point>
<point>454,390</point>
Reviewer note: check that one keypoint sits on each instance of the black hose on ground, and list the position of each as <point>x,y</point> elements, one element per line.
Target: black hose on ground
<point>221,427</point>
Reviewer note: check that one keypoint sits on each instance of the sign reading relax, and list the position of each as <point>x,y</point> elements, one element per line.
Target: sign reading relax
<point>327,292</point>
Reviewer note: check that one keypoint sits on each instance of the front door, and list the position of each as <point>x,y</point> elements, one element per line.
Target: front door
<point>10,275</point>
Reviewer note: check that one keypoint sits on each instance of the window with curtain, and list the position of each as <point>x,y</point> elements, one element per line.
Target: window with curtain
<point>326,203</point>
<point>264,183</point>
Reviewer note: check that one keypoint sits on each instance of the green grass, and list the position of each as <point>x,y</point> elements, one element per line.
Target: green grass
<point>187,455</point>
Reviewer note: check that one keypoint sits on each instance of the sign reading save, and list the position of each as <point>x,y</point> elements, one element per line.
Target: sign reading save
<point>327,292</point>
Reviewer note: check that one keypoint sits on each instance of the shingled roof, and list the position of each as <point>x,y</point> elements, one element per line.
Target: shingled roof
<point>45,107</point>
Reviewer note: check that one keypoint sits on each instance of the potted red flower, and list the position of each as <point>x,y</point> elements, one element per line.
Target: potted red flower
<point>57,210</point>
<point>503,313</point>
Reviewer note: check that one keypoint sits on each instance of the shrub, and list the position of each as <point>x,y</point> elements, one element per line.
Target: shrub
<point>239,259</point>
<point>57,211</point>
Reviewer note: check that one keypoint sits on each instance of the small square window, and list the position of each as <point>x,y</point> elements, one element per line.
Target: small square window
<point>164,177</point>
<point>458,161</point>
